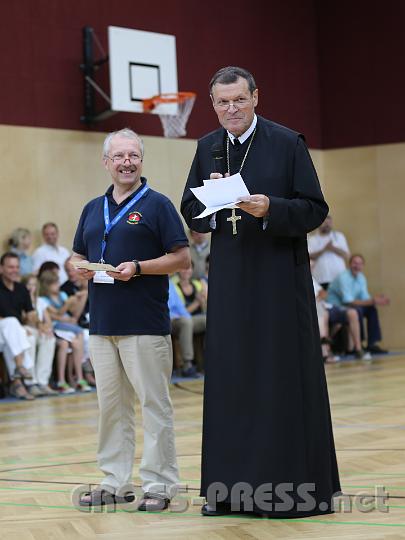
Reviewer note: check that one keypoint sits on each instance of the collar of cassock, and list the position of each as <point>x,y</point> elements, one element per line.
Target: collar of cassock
<point>245,135</point>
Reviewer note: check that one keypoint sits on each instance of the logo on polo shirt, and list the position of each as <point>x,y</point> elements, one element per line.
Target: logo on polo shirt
<point>134,218</point>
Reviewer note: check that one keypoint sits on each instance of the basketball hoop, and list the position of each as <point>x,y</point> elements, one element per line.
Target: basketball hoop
<point>174,125</point>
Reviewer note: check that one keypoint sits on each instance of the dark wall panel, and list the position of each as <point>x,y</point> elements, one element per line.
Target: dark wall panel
<point>362,74</point>
<point>331,69</point>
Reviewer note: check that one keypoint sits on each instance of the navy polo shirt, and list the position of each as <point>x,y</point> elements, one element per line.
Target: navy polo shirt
<point>150,229</point>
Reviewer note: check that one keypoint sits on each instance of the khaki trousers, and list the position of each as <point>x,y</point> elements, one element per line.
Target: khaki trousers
<point>185,328</point>
<point>123,366</point>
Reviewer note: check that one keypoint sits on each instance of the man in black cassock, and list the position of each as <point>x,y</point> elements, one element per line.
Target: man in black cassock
<point>267,437</point>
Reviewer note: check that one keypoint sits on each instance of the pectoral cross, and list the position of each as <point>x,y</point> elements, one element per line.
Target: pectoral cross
<point>234,218</point>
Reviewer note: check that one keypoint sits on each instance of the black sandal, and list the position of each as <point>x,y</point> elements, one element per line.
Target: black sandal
<point>101,497</point>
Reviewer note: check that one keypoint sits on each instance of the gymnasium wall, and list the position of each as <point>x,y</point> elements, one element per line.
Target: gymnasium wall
<point>365,190</point>
<point>49,174</point>
<point>329,69</point>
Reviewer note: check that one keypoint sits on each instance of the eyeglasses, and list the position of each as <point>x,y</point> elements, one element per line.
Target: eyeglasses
<point>239,103</point>
<point>121,158</point>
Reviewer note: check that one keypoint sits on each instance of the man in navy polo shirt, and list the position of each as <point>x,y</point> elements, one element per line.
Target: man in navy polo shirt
<point>137,230</point>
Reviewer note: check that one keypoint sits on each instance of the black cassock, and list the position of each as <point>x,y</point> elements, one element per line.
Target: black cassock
<point>266,408</point>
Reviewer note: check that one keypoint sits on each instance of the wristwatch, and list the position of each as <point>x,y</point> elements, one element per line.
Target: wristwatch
<point>137,268</point>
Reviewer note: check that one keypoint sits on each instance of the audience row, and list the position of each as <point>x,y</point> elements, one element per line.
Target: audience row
<point>342,297</point>
<point>44,315</point>
<point>44,309</point>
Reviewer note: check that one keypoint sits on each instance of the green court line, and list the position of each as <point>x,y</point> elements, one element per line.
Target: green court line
<point>190,480</point>
<point>182,514</point>
<point>368,523</point>
<point>42,490</point>
<point>85,475</point>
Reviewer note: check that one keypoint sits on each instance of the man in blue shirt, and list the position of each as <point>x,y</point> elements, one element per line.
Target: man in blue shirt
<point>138,231</point>
<point>350,289</point>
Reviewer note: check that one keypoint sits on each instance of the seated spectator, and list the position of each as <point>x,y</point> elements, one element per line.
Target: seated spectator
<point>192,294</point>
<point>66,329</point>
<point>20,243</point>
<point>323,322</point>
<point>331,319</point>
<point>182,326</point>
<point>329,252</point>
<point>50,250</point>
<point>199,249</point>
<point>42,341</point>
<point>78,287</point>
<point>335,317</point>
<point>16,309</point>
<point>48,266</point>
<point>350,289</point>
<point>15,347</point>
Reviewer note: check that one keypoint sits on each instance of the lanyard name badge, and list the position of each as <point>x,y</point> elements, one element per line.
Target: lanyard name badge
<point>103,277</point>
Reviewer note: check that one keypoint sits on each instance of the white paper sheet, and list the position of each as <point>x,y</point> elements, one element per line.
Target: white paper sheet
<point>221,193</point>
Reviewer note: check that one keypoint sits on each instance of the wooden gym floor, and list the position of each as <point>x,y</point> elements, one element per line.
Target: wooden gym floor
<point>48,448</point>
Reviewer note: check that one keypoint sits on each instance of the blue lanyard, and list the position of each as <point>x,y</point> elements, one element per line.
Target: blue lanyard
<point>110,224</point>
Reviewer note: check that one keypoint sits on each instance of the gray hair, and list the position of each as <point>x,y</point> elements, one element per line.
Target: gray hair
<point>126,132</point>
<point>231,74</point>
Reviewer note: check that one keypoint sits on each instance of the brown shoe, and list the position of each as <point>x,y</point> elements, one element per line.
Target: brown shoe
<point>19,391</point>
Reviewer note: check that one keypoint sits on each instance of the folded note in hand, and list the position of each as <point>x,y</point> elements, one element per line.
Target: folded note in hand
<point>95,267</point>
<point>221,193</point>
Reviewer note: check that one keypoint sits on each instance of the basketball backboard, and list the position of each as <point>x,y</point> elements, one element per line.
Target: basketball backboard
<point>142,65</point>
